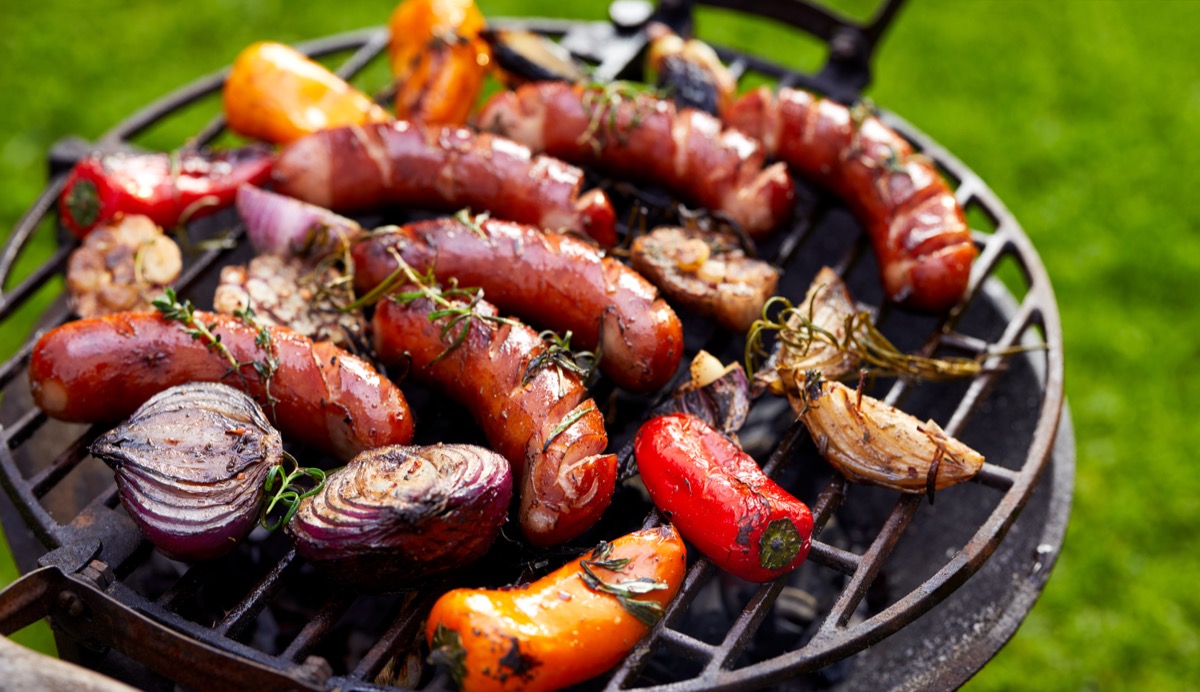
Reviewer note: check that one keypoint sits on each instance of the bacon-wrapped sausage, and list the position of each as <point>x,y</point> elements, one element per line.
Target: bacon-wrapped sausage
<point>534,414</point>
<point>551,279</point>
<point>646,138</point>
<point>916,226</point>
<point>364,168</point>
<point>102,369</point>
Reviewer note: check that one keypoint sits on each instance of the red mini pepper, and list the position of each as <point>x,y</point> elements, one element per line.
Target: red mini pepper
<point>720,500</point>
<point>168,188</point>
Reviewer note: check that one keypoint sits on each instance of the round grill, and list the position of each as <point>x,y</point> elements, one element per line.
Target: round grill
<point>879,561</point>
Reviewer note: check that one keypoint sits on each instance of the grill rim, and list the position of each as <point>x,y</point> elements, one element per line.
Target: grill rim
<point>1006,238</point>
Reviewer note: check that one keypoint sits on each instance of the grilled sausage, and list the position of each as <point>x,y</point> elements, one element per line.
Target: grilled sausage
<point>364,168</point>
<point>551,279</point>
<point>101,369</point>
<point>539,418</point>
<point>918,229</point>
<point>646,138</point>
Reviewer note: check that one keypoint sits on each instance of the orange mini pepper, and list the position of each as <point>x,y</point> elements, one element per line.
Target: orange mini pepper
<point>277,94</point>
<point>438,59</point>
<point>566,627</point>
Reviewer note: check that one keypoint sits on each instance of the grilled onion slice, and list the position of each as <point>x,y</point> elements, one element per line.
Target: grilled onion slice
<point>190,465</point>
<point>396,515</point>
<point>870,441</point>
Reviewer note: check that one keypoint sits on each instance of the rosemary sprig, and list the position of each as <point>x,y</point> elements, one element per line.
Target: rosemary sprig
<point>289,492</point>
<point>170,307</point>
<point>648,612</point>
<point>566,423</point>
<point>602,103</point>
<point>796,329</point>
<point>474,223</point>
<point>558,354</point>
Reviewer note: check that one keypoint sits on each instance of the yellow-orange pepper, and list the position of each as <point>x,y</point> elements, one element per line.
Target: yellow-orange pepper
<point>277,94</point>
<point>438,59</point>
<point>564,628</point>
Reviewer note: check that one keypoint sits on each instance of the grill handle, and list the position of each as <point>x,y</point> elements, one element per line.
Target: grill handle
<point>90,616</point>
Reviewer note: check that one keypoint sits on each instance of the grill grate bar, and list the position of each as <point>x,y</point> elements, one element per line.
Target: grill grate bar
<point>870,564</point>
<point>688,645</point>
<point>187,585</point>
<point>740,634</point>
<point>23,231</point>
<point>403,629</point>
<point>43,481</point>
<point>16,365</point>
<point>250,606</point>
<point>833,557</point>
<point>20,431</point>
<point>35,281</point>
<point>318,626</point>
<point>997,477</point>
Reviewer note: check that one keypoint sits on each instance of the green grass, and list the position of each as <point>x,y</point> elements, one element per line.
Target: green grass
<point>1080,114</point>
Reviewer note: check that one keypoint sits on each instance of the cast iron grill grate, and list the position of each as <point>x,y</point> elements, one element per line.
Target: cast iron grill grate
<point>879,559</point>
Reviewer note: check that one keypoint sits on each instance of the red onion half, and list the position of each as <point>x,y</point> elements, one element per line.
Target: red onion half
<point>280,225</point>
<point>190,465</point>
<point>396,515</point>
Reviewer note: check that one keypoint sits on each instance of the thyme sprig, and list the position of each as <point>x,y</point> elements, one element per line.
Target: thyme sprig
<point>602,103</point>
<point>474,223</point>
<point>648,612</point>
<point>796,329</point>
<point>265,341</point>
<point>289,492</point>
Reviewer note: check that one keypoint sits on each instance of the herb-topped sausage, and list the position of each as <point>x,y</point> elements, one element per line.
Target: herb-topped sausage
<point>534,413</point>
<point>553,280</point>
<point>365,168</point>
<point>102,369</point>
<point>916,226</point>
<point>642,137</point>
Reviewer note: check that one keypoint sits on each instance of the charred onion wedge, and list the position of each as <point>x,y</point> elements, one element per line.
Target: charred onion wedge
<point>870,441</point>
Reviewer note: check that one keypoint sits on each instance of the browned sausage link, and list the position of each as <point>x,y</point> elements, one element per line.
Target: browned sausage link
<point>368,167</point>
<point>645,138</point>
<point>916,226</point>
<point>101,369</point>
<point>541,421</point>
<point>550,279</point>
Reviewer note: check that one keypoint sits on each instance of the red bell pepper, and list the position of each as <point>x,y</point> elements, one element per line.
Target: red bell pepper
<point>720,500</point>
<point>169,188</point>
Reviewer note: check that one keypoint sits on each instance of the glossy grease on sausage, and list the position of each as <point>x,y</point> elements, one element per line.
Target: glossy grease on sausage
<point>368,167</point>
<point>549,279</point>
<point>916,226</point>
<point>101,369</point>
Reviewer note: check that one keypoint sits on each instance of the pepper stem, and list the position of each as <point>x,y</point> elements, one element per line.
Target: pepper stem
<point>779,545</point>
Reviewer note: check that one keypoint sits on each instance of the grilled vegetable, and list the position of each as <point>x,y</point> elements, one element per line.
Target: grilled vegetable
<point>717,394</point>
<point>395,516</point>
<point>707,273</point>
<point>122,265</point>
<point>169,188</point>
<point>280,225</point>
<point>190,465</point>
<point>438,59</point>
<point>525,56</point>
<point>870,441</point>
<point>916,226</point>
<point>720,499</point>
<point>564,628</point>
<point>689,72</point>
<point>287,292</point>
<point>277,94</point>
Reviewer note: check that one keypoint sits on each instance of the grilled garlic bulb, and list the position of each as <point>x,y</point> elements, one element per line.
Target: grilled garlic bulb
<point>122,265</point>
<point>870,441</point>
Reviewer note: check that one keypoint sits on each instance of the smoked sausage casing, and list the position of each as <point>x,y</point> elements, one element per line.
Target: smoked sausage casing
<point>645,138</point>
<point>916,226</point>
<point>368,167</point>
<point>550,279</point>
<point>540,419</point>
<point>100,370</point>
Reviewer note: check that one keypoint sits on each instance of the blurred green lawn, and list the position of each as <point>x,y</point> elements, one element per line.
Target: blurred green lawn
<point>1078,113</point>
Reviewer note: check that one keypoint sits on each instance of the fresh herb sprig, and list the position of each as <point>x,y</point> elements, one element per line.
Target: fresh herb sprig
<point>602,103</point>
<point>558,354</point>
<point>626,592</point>
<point>285,488</point>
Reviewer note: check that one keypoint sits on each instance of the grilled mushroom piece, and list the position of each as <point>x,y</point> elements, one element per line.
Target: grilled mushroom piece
<point>190,465</point>
<point>706,272</point>
<point>395,516</point>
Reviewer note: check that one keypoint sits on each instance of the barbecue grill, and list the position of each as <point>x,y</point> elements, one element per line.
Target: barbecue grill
<point>897,591</point>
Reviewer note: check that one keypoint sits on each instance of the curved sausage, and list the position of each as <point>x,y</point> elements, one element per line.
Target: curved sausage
<point>543,422</point>
<point>646,138</point>
<point>550,279</point>
<point>101,369</point>
<point>918,229</point>
<point>363,168</point>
